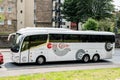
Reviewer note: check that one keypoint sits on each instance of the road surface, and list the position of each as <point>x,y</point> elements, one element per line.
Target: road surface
<point>11,69</point>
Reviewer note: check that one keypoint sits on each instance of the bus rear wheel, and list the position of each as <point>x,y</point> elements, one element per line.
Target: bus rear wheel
<point>86,58</point>
<point>40,60</point>
<point>95,58</point>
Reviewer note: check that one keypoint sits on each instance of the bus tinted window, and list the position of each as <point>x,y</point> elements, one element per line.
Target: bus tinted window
<point>108,38</point>
<point>97,38</point>
<point>56,38</point>
<point>84,38</point>
<point>81,38</point>
<point>36,40</point>
<point>71,38</point>
<point>64,38</point>
<point>25,44</point>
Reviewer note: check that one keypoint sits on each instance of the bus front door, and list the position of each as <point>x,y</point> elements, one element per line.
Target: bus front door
<point>25,51</point>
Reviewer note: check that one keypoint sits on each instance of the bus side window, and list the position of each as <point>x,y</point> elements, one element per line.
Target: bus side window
<point>71,38</point>
<point>25,44</point>
<point>84,38</point>
<point>37,40</point>
<point>56,38</point>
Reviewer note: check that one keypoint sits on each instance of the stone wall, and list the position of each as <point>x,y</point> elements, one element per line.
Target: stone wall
<point>8,16</point>
<point>3,41</point>
<point>6,29</point>
<point>39,24</point>
<point>44,13</point>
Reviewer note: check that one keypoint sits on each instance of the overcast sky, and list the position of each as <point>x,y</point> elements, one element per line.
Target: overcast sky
<point>117,3</point>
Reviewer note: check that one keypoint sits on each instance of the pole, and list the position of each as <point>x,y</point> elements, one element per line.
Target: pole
<point>116,28</point>
<point>35,13</point>
<point>59,13</point>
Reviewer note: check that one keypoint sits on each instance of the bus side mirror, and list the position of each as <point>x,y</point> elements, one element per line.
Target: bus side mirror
<point>11,36</point>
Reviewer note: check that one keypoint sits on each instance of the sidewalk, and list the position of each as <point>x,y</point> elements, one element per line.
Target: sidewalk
<point>26,71</point>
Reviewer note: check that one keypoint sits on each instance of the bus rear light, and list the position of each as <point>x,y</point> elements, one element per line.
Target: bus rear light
<point>49,45</point>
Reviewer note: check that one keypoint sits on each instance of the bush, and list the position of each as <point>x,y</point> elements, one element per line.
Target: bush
<point>106,25</point>
<point>91,24</point>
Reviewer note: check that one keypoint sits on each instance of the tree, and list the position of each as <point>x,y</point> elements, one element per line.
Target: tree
<point>117,19</point>
<point>97,9</point>
<point>84,8</point>
<point>91,24</point>
<point>70,11</point>
<point>102,9</point>
<point>80,10</point>
<point>106,25</point>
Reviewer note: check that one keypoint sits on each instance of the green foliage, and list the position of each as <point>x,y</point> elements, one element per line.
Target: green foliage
<point>118,23</point>
<point>1,1</point>
<point>99,74</point>
<point>84,8</point>
<point>81,10</point>
<point>102,9</point>
<point>117,19</point>
<point>91,24</point>
<point>70,11</point>
<point>2,17</point>
<point>106,25</point>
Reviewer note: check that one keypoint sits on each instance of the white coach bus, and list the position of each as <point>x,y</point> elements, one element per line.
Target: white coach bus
<point>42,45</point>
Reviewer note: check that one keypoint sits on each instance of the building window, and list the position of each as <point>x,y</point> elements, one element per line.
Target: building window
<point>21,1</point>
<point>9,9</point>
<point>21,11</point>
<point>9,22</point>
<point>21,22</point>
<point>1,9</point>
<point>1,22</point>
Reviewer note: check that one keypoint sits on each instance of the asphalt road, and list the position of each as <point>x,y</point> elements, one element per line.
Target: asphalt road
<point>10,69</point>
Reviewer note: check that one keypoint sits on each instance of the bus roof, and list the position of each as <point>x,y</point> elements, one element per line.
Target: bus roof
<point>34,30</point>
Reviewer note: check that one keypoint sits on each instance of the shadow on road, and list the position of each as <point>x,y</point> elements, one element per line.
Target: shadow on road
<point>15,66</point>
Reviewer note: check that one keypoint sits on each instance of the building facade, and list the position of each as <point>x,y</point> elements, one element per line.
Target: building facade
<point>43,13</point>
<point>57,19</point>
<point>38,13</point>
<point>25,13</point>
<point>8,18</point>
<point>17,14</point>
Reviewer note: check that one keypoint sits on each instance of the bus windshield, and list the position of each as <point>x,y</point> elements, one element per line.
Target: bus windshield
<point>16,42</point>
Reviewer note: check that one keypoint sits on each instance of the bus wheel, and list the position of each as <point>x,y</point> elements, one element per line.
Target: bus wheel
<point>95,58</point>
<point>40,60</point>
<point>108,46</point>
<point>86,58</point>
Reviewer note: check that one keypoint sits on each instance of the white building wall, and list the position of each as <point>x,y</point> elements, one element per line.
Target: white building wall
<point>25,13</point>
<point>29,13</point>
<point>20,14</point>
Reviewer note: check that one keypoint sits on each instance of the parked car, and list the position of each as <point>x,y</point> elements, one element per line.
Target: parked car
<point>1,58</point>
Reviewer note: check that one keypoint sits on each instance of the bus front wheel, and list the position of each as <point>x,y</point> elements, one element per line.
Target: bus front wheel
<point>86,58</point>
<point>40,60</point>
